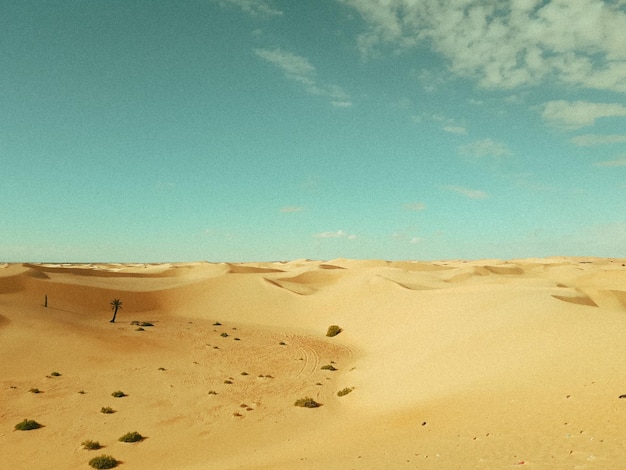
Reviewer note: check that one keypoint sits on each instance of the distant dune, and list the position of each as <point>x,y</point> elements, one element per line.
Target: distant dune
<point>485,364</point>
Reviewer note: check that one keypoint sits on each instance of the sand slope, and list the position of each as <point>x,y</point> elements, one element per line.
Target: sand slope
<point>453,364</point>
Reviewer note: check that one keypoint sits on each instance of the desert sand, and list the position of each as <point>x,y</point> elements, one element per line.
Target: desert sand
<point>452,364</point>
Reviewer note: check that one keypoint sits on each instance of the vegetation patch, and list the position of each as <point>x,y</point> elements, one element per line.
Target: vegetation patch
<point>329,367</point>
<point>131,437</point>
<point>118,394</point>
<point>333,330</point>
<point>217,324</point>
<point>345,391</point>
<point>107,410</point>
<point>224,335</point>
<point>90,445</point>
<point>103,461</point>
<point>55,374</point>
<point>27,425</point>
<point>307,402</point>
<point>35,390</point>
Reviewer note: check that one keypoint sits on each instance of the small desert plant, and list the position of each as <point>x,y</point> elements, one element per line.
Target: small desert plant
<point>35,390</point>
<point>228,382</point>
<point>329,367</point>
<point>345,391</point>
<point>237,339</point>
<point>212,392</point>
<point>131,437</point>
<point>118,394</point>
<point>55,374</point>
<point>224,335</point>
<point>333,330</point>
<point>217,324</point>
<point>90,445</point>
<point>244,373</point>
<point>307,403</point>
<point>103,461</point>
<point>27,425</point>
<point>107,410</point>
<point>161,368</point>
<point>82,392</point>
<point>140,329</point>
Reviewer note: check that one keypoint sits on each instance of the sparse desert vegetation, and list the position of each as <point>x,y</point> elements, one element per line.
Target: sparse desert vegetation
<point>329,367</point>
<point>90,445</point>
<point>107,410</point>
<point>103,462</point>
<point>133,436</point>
<point>307,402</point>
<point>27,425</point>
<point>344,391</point>
<point>118,394</point>
<point>333,330</point>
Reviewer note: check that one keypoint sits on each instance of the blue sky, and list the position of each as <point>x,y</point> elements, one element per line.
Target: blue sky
<point>241,130</point>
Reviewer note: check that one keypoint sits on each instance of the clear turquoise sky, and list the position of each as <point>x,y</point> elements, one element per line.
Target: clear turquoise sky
<point>240,130</point>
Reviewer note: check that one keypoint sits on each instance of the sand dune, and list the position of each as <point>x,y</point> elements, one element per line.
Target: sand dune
<point>452,364</point>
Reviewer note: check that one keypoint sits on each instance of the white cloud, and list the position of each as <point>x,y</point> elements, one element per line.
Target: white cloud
<point>508,43</point>
<point>337,234</point>
<point>485,148</point>
<point>467,192</point>
<point>253,7</point>
<point>291,209</point>
<point>300,70</point>
<point>613,163</point>
<point>589,140</point>
<point>414,206</point>
<point>577,114</point>
<point>455,130</point>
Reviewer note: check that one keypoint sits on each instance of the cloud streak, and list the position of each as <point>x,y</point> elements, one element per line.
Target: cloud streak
<point>508,43</point>
<point>337,234</point>
<point>590,140</point>
<point>485,148</point>
<point>578,114</point>
<point>298,69</point>
<point>253,7</point>
<point>467,192</point>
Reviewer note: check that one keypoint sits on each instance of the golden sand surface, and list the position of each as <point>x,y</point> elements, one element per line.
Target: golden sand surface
<point>486,364</point>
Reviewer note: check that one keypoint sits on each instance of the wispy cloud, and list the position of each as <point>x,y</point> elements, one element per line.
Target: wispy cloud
<point>613,163</point>
<point>291,209</point>
<point>337,234</point>
<point>467,192</point>
<point>577,114</point>
<point>300,70</point>
<point>455,130</point>
<point>253,7</point>
<point>485,148</point>
<point>414,206</point>
<point>589,140</point>
<point>506,44</point>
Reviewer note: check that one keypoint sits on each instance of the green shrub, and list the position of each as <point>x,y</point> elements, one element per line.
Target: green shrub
<point>90,445</point>
<point>27,425</point>
<point>55,374</point>
<point>307,403</point>
<point>34,390</point>
<point>107,410</point>
<point>329,367</point>
<point>131,437</point>
<point>103,461</point>
<point>118,394</point>
<point>345,391</point>
<point>224,335</point>
<point>333,330</point>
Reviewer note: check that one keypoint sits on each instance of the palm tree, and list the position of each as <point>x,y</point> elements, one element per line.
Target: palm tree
<point>115,305</point>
